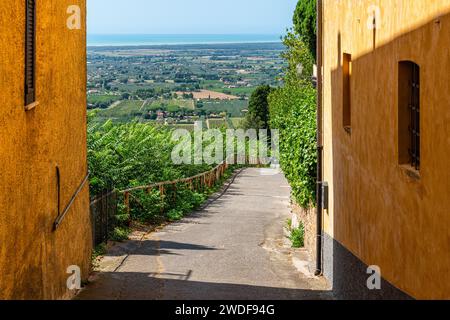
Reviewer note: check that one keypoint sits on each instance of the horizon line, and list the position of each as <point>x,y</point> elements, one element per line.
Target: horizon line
<point>179,44</point>
<point>187,34</point>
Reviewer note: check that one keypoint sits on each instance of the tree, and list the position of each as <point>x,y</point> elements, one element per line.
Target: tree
<point>258,108</point>
<point>305,19</point>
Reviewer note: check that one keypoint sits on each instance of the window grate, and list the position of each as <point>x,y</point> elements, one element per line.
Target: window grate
<point>414,107</point>
<point>30,52</point>
<point>347,103</point>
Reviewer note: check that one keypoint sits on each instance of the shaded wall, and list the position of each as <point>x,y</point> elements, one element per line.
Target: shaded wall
<point>33,258</point>
<point>382,213</point>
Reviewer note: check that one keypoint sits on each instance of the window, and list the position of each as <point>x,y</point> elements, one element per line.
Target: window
<point>409,114</point>
<point>347,103</point>
<point>30,49</point>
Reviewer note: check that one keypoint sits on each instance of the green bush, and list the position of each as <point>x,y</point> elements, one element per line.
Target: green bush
<point>174,215</point>
<point>120,234</point>
<point>123,156</point>
<point>98,251</point>
<point>297,236</point>
<point>132,154</point>
<point>293,111</point>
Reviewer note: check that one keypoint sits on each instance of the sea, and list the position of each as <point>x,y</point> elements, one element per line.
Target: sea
<point>102,40</point>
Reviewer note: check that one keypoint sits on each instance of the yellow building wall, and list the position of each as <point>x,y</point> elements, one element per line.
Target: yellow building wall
<point>33,257</point>
<point>378,210</point>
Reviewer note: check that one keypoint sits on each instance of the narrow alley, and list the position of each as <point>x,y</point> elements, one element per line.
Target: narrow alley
<point>235,248</point>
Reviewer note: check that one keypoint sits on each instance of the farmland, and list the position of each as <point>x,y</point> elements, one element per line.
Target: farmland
<point>179,84</point>
<point>209,95</point>
<point>231,108</point>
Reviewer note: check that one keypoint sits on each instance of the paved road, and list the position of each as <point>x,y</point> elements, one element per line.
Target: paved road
<point>233,249</point>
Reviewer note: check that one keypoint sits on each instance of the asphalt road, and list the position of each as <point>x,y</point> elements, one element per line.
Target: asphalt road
<point>235,248</point>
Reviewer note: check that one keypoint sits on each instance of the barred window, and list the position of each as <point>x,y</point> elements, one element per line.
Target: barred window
<point>409,114</point>
<point>30,52</point>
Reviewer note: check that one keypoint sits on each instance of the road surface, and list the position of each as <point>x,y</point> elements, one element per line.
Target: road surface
<point>236,248</point>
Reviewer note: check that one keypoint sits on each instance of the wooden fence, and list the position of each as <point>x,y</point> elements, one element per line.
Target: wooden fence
<point>197,183</point>
<point>105,207</point>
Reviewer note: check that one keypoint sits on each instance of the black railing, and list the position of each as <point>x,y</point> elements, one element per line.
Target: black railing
<point>103,216</point>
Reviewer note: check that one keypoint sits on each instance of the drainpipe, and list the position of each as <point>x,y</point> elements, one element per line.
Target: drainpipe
<point>319,206</point>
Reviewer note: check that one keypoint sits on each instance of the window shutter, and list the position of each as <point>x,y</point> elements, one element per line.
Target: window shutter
<point>30,52</point>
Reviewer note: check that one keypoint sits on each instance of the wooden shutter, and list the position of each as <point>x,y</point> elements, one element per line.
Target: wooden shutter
<point>30,52</point>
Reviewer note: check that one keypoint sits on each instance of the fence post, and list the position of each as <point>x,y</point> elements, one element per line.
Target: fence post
<point>127,205</point>
<point>175,191</point>
<point>107,214</point>
<point>161,195</point>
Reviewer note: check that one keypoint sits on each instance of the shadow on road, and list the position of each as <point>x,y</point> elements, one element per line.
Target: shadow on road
<point>148,286</point>
<point>153,248</point>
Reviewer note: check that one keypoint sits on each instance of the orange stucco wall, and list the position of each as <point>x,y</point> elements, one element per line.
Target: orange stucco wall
<point>33,258</point>
<point>378,209</point>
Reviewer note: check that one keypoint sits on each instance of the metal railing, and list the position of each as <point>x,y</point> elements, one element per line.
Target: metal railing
<point>103,216</point>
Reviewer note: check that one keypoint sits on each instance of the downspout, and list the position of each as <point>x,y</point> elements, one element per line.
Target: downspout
<point>319,270</point>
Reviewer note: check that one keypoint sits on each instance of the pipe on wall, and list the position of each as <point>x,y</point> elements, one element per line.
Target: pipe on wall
<point>319,269</point>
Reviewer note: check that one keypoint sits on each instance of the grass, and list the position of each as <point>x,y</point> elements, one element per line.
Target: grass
<point>188,127</point>
<point>238,91</point>
<point>131,87</point>
<point>102,98</point>
<point>125,109</point>
<point>297,236</point>
<point>236,122</point>
<point>218,86</point>
<point>289,223</point>
<point>128,110</point>
<point>166,103</point>
<point>98,251</point>
<point>232,107</point>
<point>217,123</point>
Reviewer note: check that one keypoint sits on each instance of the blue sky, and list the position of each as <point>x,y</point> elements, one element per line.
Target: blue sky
<point>190,16</point>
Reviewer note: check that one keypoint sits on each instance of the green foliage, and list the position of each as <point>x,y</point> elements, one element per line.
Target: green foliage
<point>289,223</point>
<point>293,112</point>
<point>133,154</point>
<point>98,251</point>
<point>297,236</point>
<point>120,234</point>
<point>173,108</point>
<point>101,101</point>
<point>299,60</point>
<point>122,156</point>
<point>305,23</point>
<point>232,107</point>
<point>258,108</point>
